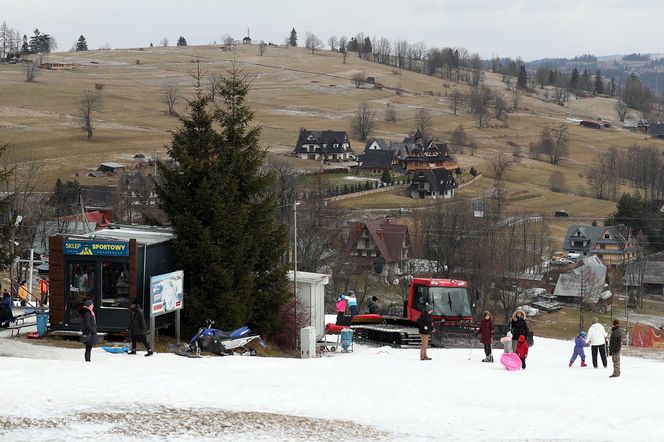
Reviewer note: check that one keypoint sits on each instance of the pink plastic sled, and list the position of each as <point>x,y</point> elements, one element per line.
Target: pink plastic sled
<point>511,361</point>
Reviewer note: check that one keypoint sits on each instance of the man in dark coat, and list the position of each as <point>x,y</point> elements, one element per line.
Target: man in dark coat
<point>373,307</point>
<point>137,328</point>
<point>486,335</point>
<point>89,332</point>
<point>615,344</point>
<point>425,325</point>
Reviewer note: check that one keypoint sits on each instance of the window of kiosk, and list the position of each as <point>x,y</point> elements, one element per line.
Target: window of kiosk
<point>82,277</point>
<point>114,284</point>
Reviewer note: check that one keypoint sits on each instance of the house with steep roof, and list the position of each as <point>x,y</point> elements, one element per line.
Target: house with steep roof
<point>586,283</point>
<point>614,245</point>
<point>377,161</point>
<point>325,145</point>
<point>381,245</point>
<point>432,184</point>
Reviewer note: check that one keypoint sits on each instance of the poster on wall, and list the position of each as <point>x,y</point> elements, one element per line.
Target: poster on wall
<point>166,293</point>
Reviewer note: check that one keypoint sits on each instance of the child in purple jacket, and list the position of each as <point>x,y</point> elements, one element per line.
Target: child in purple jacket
<point>579,344</point>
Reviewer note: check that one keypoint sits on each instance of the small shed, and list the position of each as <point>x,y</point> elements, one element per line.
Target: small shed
<point>593,124</point>
<point>110,267</point>
<point>311,297</point>
<point>111,167</point>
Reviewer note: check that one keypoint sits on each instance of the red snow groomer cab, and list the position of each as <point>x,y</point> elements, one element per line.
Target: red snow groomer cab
<point>452,315</point>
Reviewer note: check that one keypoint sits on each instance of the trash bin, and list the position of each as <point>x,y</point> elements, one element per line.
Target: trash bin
<point>42,323</point>
<point>347,339</point>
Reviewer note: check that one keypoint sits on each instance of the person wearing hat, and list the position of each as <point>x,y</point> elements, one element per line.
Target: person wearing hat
<point>486,332</point>
<point>352,303</point>
<point>615,344</point>
<point>373,307</point>
<point>579,344</point>
<point>425,325</point>
<point>89,333</point>
<point>137,328</point>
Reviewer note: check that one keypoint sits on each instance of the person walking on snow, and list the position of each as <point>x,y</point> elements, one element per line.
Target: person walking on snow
<point>597,340</point>
<point>425,324</point>
<point>615,344</point>
<point>486,335</point>
<point>519,327</point>
<point>137,328</point>
<point>89,332</point>
<point>579,344</point>
<point>522,351</point>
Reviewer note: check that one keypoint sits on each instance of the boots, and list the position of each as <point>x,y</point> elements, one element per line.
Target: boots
<point>149,353</point>
<point>489,358</point>
<point>583,364</point>
<point>133,352</point>
<point>570,364</point>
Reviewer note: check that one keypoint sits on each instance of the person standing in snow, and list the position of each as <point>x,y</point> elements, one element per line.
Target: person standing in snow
<point>522,351</point>
<point>615,344</point>
<point>519,327</point>
<point>137,328</point>
<point>89,333</point>
<point>352,303</point>
<point>425,325</point>
<point>507,342</point>
<point>579,344</point>
<point>342,304</point>
<point>486,335</point>
<point>597,340</point>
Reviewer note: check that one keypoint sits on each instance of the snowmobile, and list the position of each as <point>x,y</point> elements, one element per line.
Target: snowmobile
<point>222,343</point>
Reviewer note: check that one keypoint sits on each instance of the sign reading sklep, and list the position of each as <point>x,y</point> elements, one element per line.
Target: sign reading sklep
<point>96,248</point>
<point>166,293</point>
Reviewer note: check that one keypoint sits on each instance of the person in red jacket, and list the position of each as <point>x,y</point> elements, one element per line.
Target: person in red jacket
<point>522,351</point>
<point>486,335</point>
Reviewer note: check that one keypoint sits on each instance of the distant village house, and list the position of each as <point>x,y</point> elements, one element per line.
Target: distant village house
<point>326,145</point>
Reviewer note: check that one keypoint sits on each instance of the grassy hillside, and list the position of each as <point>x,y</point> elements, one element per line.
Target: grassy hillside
<point>291,89</point>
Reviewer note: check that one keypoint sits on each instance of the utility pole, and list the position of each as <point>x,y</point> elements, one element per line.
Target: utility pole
<point>295,204</point>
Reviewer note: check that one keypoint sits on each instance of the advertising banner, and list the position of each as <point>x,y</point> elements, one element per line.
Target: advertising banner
<point>96,248</point>
<point>166,293</point>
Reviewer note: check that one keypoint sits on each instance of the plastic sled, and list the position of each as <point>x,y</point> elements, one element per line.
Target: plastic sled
<point>123,349</point>
<point>511,361</point>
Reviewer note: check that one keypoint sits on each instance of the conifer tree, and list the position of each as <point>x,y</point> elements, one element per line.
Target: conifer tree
<point>181,41</point>
<point>218,201</point>
<point>522,77</point>
<point>81,44</point>
<point>599,83</point>
<point>292,40</point>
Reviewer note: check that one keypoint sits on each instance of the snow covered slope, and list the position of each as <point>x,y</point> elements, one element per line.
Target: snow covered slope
<point>371,394</point>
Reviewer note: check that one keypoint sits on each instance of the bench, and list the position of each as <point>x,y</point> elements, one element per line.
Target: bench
<point>18,327</point>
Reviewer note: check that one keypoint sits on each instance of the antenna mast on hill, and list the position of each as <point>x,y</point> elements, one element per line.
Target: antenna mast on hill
<point>248,33</point>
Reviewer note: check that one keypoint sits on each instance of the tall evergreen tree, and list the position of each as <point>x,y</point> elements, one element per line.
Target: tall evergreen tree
<point>25,47</point>
<point>599,83</point>
<point>522,77</point>
<point>182,41</point>
<point>292,40</point>
<point>574,79</point>
<point>81,44</point>
<point>218,201</point>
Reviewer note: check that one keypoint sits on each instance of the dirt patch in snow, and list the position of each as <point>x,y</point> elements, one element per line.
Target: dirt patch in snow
<point>191,424</point>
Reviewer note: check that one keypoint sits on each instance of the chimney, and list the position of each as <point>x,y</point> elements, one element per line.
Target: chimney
<point>388,221</point>
<point>379,232</point>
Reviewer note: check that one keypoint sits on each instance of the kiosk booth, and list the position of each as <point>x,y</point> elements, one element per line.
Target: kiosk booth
<point>111,267</point>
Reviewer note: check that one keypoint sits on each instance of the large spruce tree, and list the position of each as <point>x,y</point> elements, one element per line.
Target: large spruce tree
<point>217,199</point>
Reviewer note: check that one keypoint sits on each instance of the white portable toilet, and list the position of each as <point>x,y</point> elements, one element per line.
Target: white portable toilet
<point>311,297</point>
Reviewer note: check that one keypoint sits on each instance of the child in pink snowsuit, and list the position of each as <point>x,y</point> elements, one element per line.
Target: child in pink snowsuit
<point>341,309</point>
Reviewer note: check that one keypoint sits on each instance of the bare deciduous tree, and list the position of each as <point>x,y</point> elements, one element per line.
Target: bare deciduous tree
<point>621,109</point>
<point>516,97</point>
<point>500,108</point>
<point>459,140</point>
<point>164,42</point>
<point>390,114</point>
<point>333,42</point>
<point>30,71</point>
<point>500,164</point>
<point>363,121</point>
<point>557,182</point>
<point>170,93</point>
<point>311,41</point>
<point>89,103</point>
<point>213,85</point>
<point>479,100</point>
<point>358,78</point>
<point>424,122</point>
<point>456,100</point>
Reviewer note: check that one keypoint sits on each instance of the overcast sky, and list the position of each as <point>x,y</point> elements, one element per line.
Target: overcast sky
<point>531,29</point>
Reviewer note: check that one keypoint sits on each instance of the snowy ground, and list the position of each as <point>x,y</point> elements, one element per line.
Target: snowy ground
<point>371,394</point>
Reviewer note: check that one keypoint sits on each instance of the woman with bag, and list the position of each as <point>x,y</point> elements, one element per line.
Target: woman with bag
<point>89,334</point>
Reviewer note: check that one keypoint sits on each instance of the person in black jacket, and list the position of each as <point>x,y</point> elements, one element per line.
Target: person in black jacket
<point>373,307</point>
<point>89,332</point>
<point>137,328</point>
<point>615,344</point>
<point>425,324</point>
<point>519,327</point>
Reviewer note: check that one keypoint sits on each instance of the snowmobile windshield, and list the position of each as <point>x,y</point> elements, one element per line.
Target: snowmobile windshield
<point>449,301</point>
